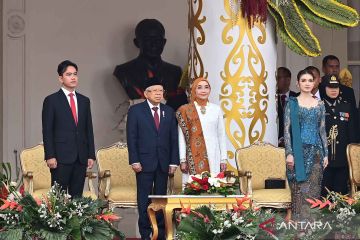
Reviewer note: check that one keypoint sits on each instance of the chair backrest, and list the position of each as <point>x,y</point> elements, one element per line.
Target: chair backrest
<point>264,161</point>
<point>115,158</point>
<point>33,160</point>
<point>353,156</point>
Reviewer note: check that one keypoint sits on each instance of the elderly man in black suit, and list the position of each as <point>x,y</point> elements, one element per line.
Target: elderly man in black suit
<point>68,133</point>
<point>152,138</point>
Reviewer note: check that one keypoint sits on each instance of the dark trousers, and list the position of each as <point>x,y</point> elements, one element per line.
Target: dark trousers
<point>150,183</point>
<point>335,179</point>
<point>70,177</point>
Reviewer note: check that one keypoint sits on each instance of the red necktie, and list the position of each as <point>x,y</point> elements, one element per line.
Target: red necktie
<point>73,107</point>
<point>156,117</point>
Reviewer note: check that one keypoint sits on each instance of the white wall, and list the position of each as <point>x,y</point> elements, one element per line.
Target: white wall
<point>97,35</point>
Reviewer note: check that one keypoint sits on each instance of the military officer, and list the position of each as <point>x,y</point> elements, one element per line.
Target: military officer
<point>340,132</point>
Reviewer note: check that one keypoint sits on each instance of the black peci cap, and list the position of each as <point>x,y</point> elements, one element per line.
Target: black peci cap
<point>151,82</point>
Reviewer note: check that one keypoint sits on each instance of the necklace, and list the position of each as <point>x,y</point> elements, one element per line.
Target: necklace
<point>202,106</point>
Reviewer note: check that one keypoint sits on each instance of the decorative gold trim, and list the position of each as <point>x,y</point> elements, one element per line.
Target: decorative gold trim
<point>237,83</point>
<point>196,65</point>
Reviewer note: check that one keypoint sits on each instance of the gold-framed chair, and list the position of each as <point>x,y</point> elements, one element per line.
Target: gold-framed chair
<point>353,158</point>
<point>36,174</point>
<point>258,162</point>
<point>117,181</point>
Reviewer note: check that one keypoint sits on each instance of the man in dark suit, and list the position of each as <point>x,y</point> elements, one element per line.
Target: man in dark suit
<point>152,139</point>
<point>135,74</point>
<point>68,132</point>
<point>283,80</point>
<point>340,132</point>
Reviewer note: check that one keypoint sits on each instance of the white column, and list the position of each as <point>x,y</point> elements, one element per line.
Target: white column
<point>240,63</point>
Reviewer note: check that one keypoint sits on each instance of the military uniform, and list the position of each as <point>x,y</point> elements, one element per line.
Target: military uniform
<point>346,94</point>
<point>340,131</point>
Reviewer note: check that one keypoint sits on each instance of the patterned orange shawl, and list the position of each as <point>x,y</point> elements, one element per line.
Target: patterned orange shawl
<point>189,122</point>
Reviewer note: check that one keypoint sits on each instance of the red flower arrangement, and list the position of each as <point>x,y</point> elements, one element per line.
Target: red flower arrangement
<point>204,183</point>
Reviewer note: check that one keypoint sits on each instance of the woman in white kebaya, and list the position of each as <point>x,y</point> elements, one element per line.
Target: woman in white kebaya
<point>202,141</point>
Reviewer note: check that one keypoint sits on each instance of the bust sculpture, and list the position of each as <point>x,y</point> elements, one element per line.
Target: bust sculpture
<point>134,75</point>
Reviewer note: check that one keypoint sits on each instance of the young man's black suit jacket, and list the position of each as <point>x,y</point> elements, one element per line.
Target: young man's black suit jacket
<point>69,143</point>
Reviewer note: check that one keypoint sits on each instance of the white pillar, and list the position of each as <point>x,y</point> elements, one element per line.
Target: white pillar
<point>240,63</point>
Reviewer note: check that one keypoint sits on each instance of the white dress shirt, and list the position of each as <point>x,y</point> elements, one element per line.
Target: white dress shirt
<point>286,94</point>
<point>67,92</point>
<point>317,95</point>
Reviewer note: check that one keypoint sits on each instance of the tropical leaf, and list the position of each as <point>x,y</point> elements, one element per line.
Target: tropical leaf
<point>197,229</point>
<point>96,230</point>
<point>29,213</point>
<point>11,234</point>
<point>118,234</point>
<point>283,34</point>
<point>206,211</point>
<point>309,15</point>
<point>5,173</point>
<point>74,224</point>
<point>251,230</point>
<point>231,233</point>
<point>50,235</point>
<point>296,27</point>
<point>293,30</point>
<point>333,11</point>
